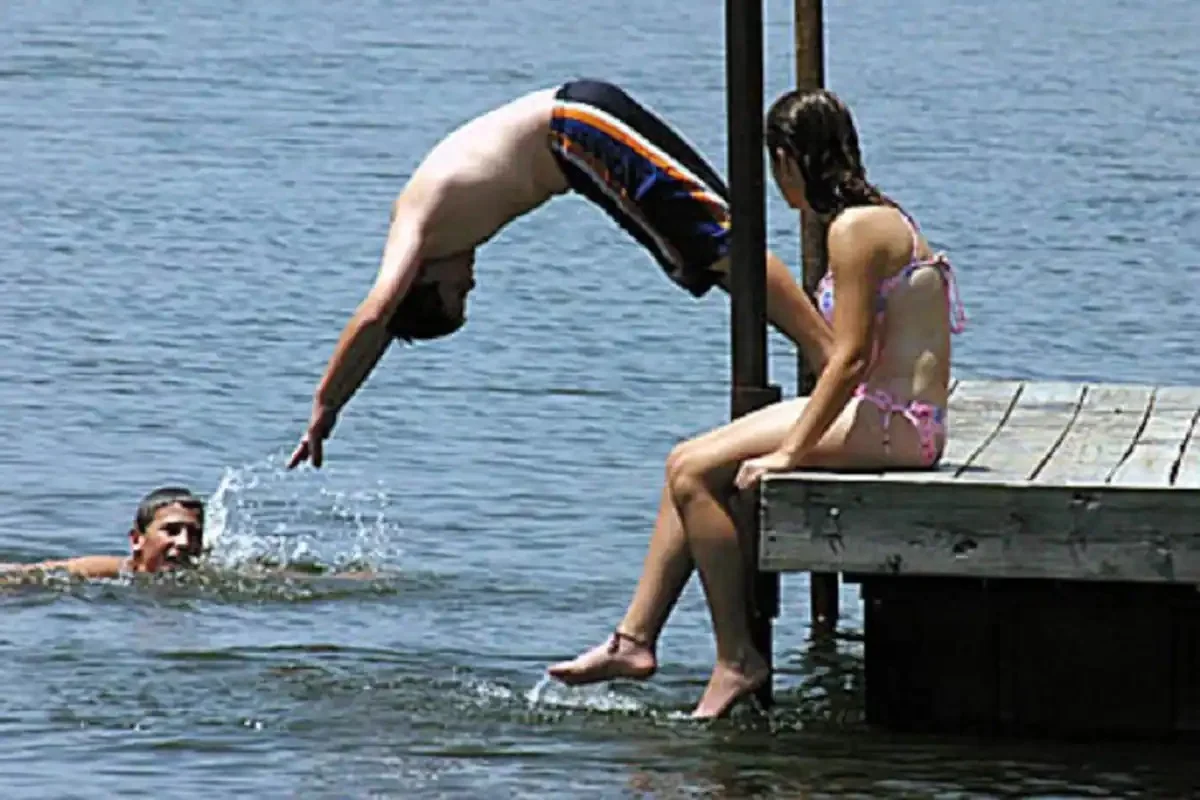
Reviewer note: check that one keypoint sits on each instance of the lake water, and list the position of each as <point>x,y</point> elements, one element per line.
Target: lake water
<point>193,197</point>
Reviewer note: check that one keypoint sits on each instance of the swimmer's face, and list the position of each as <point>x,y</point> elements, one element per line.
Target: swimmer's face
<point>788,179</point>
<point>173,539</point>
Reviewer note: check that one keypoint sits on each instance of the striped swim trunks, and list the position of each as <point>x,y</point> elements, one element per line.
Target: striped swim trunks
<point>646,177</point>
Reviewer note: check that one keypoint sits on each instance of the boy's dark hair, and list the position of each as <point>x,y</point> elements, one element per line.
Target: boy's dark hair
<point>162,497</point>
<point>423,315</point>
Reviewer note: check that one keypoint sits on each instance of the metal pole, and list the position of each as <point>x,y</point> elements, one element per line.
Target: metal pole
<point>747,181</point>
<point>810,74</point>
<point>748,278</point>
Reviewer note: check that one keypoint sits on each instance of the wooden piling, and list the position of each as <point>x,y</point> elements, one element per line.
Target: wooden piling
<point>810,74</point>
<point>748,279</point>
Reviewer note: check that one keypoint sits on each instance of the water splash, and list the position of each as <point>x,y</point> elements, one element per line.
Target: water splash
<point>548,693</point>
<point>259,512</point>
<point>271,536</point>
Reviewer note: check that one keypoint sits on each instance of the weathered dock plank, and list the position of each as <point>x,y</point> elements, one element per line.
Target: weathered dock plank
<point>1188,474</point>
<point>977,410</point>
<point>1100,438</point>
<point>1159,448</point>
<point>977,530</point>
<point>1039,421</point>
<point>1056,481</point>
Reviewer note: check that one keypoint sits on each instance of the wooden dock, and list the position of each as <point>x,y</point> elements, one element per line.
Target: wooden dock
<point>1043,578</point>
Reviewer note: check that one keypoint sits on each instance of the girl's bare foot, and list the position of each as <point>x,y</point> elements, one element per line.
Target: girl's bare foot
<point>730,682</point>
<point>621,656</point>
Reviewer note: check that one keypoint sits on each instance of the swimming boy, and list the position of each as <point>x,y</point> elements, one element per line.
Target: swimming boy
<point>167,534</point>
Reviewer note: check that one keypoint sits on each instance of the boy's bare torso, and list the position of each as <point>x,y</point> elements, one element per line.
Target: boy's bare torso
<point>484,174</point>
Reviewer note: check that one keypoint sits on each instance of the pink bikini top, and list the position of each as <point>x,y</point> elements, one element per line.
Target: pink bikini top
<point>958,314</point>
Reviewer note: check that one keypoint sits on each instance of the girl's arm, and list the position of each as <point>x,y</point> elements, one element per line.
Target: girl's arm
<point>857,254</point>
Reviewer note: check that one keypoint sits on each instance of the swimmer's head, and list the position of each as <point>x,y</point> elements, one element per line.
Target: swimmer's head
<point>814,153</point>
<point>436,303</point>
<point>168,530</point>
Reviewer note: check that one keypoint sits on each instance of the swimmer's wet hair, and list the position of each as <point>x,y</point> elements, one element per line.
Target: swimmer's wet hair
<point>162,497</point>
<point>423,315</point>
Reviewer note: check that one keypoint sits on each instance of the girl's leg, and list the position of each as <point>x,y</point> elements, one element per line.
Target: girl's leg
<point>708,463</point>
<point>703,502</point>
<point>702,494</point>
<point>630,651</point>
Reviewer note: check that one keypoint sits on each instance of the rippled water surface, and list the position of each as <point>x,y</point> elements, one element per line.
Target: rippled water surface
<point>193,197</point>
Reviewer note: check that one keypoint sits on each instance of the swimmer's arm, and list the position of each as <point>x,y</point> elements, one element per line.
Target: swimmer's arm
<point>856,257</point>
<point>80,567</point>
<point>365,337</point>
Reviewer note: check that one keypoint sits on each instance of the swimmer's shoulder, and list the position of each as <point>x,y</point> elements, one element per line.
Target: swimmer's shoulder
<point>100,566</point>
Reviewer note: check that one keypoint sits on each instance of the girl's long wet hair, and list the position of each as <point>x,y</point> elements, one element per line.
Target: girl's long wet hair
<point>815,128</point>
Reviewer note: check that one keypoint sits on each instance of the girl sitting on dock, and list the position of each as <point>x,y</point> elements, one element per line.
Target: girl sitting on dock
<point>880,401</point>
